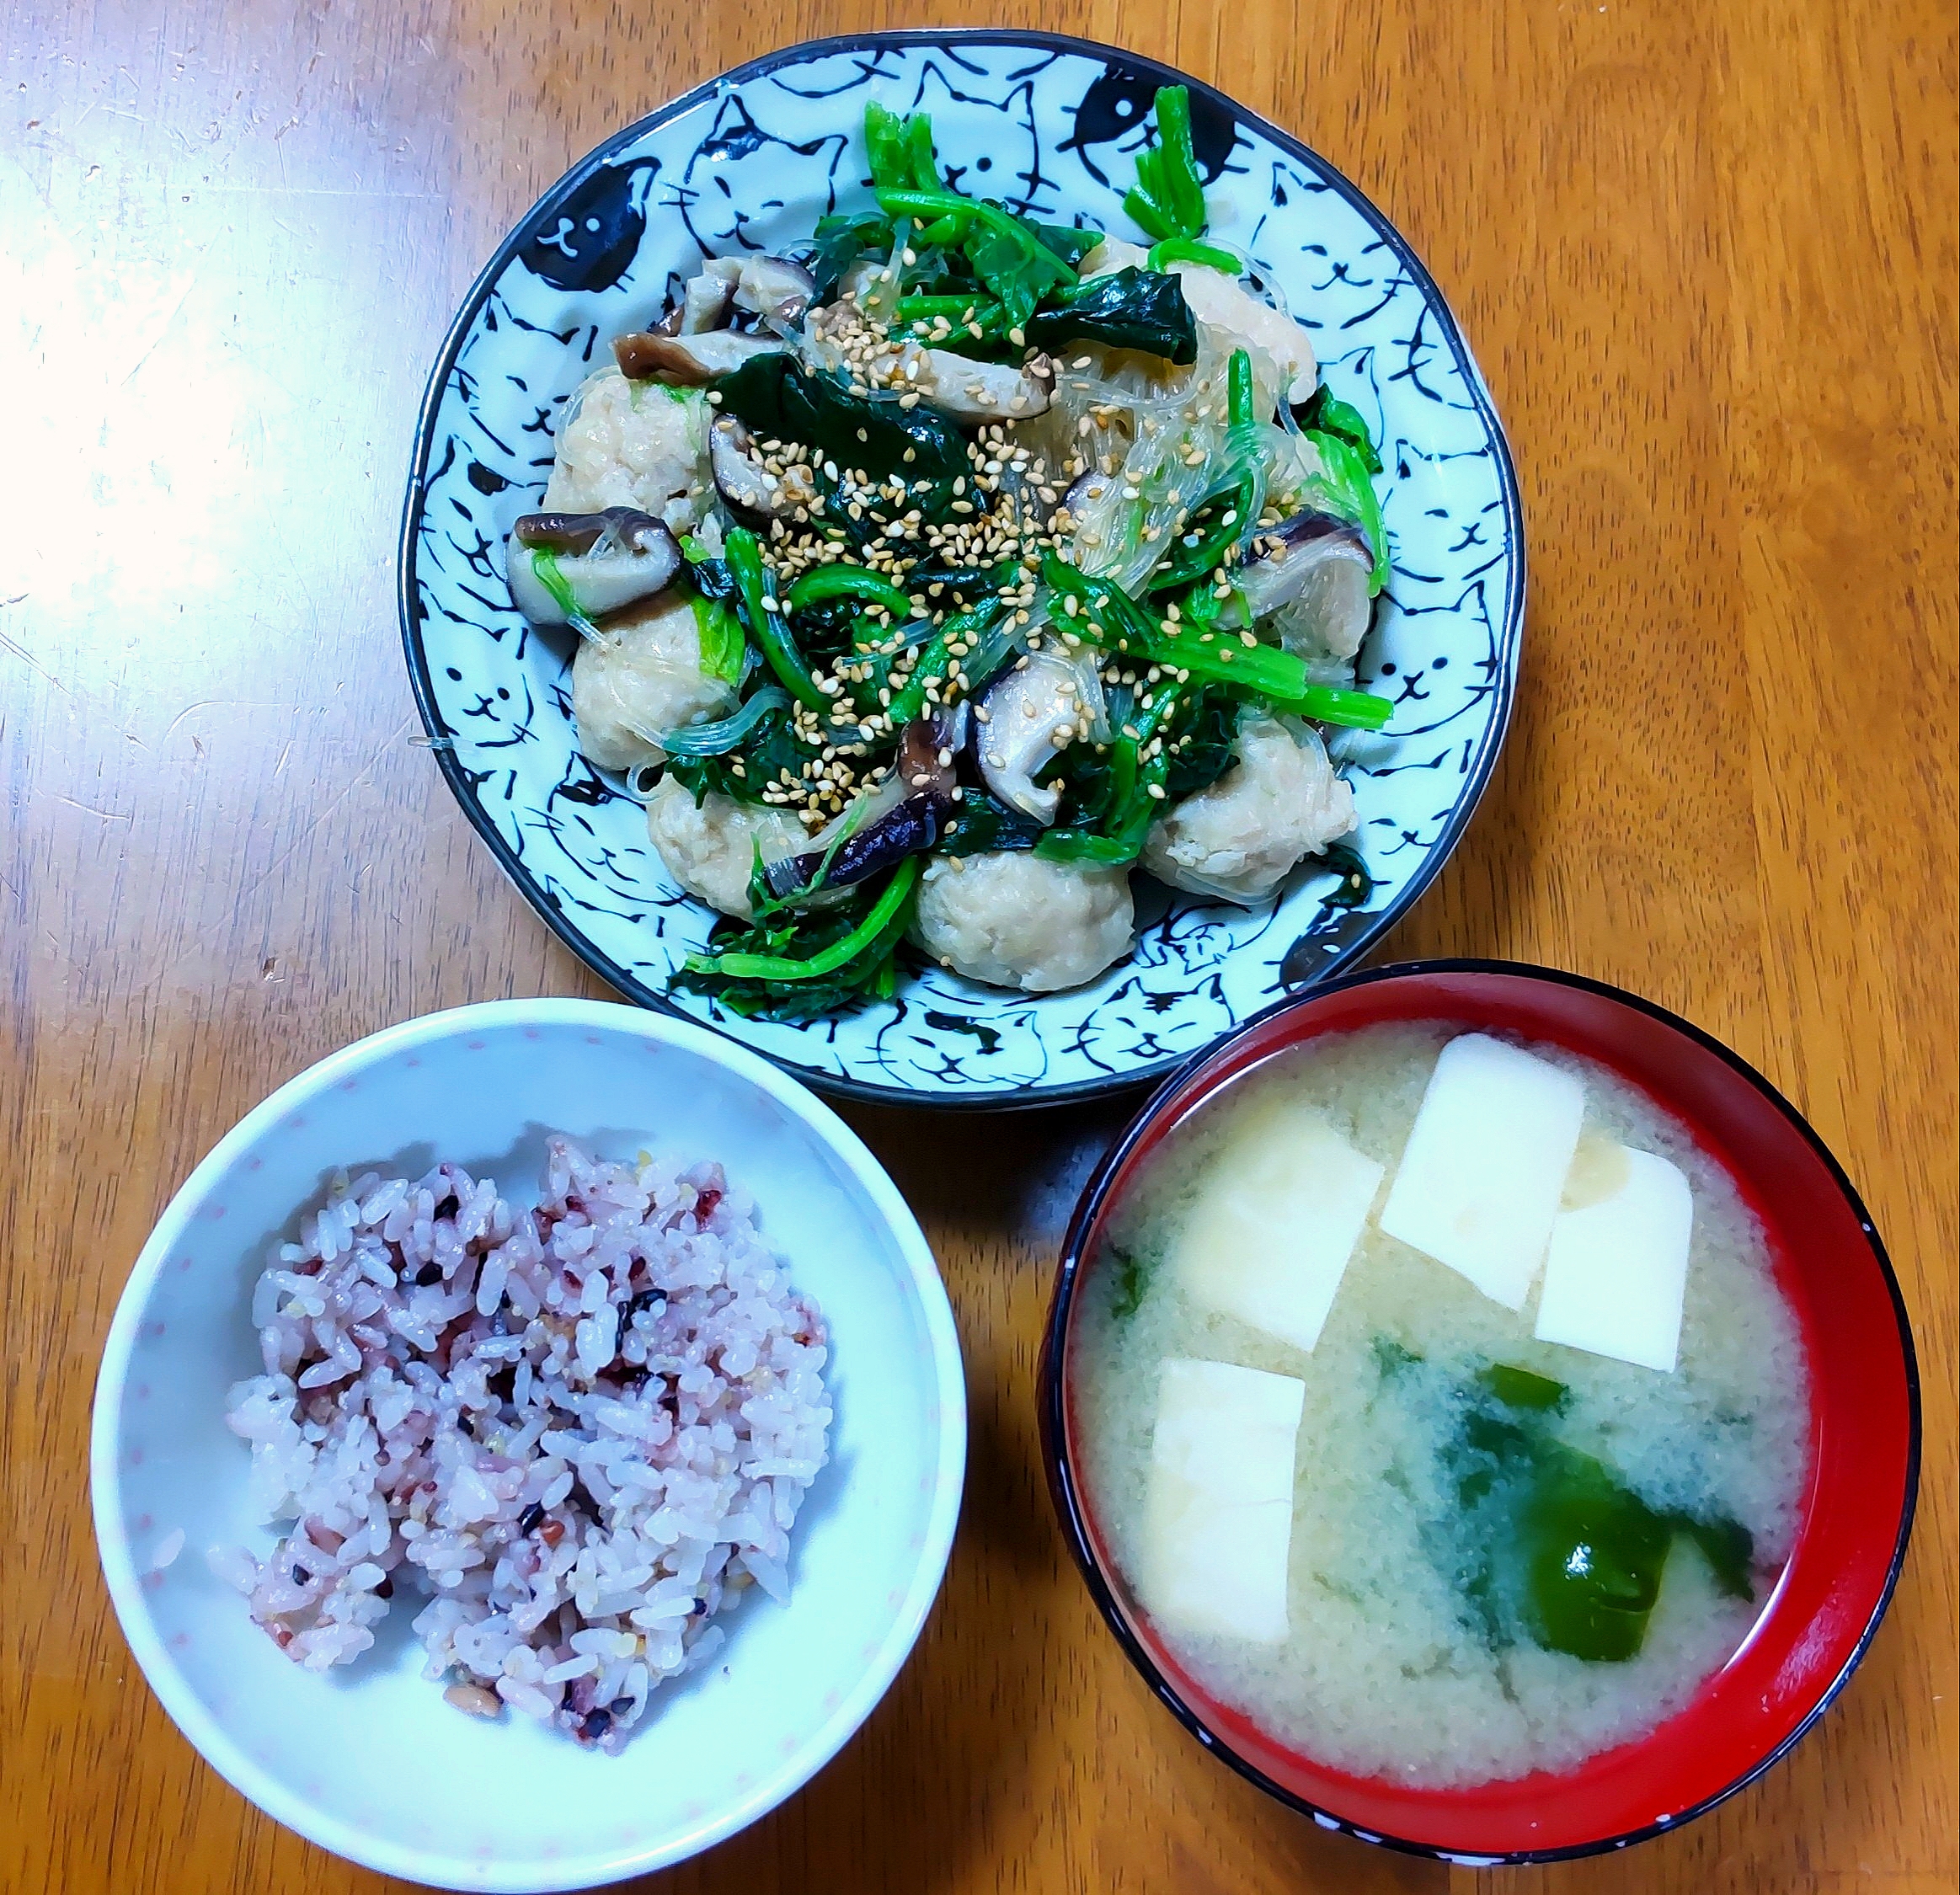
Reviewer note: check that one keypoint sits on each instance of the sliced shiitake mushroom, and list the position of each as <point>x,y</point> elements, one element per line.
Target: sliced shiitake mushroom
<point>609,560</point>
<point>965,390</point>
<point>904,815</point>
<point>774,287</point>
<point>1042,703</point>
<point>688,361</point>
<point>927,747</point>
<point>743,481</point>
<point>705,301</point>
<point>1315,557</point>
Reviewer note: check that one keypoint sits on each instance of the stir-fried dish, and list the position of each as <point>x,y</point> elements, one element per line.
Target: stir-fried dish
<point>932,580</point>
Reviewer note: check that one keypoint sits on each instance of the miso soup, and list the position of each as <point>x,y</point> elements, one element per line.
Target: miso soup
<point>1439,1408</point>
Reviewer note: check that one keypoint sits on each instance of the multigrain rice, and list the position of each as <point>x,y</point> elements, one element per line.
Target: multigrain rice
<point>580,1431</point>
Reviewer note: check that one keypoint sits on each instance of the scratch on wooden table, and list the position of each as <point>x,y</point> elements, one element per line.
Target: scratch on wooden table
<point>28,658</point>
<point>245,889</point>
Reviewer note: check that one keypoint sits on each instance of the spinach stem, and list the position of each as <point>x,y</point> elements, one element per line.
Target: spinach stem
<point>782,967</point>
<point>1224,658</point>
<point>941,204</point>
<point>744,553</point>
<point>842,580</point>
<point>1188,249</point>
<point>1238,386</point>
<point>910,700</point>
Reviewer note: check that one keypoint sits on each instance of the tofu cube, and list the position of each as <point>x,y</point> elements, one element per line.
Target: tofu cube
<point>1482,1174</point>
<point>1269,1234</point>
<point>1617,1269</point>
<point>1218,1503</point>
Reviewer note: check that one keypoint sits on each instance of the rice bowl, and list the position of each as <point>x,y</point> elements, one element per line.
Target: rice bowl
<point>366,1758</point>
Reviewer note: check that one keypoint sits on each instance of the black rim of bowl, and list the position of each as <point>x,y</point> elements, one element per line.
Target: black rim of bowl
<point>1061,1480</point>
<point>1503,685</point>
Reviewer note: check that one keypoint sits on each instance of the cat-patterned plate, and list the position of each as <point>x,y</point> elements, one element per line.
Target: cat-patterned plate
<point>1050,125</point>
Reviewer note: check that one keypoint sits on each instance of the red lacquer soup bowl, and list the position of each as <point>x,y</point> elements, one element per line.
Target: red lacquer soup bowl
<point>1865,1429</point>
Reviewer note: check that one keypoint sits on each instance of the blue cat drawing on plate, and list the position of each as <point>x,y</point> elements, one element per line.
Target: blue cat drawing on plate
<point>1052,129</point>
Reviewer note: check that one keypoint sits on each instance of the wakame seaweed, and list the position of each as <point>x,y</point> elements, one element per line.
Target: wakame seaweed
<point>779,400</point>
<point>980,824</point>
<point>1129,1282</point>
<point>1561,1551</point>
<point>1128,308</point>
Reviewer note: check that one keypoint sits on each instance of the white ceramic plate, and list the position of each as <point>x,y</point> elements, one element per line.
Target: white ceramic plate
<point>368,1760</point>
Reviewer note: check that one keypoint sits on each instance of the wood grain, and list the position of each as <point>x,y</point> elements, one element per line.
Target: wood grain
<point>1706,253</point>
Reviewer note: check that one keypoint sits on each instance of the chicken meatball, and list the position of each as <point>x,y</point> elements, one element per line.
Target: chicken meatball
<point>641,675</point>
<point>633,444</point>
<point>710,850</point>
<point>1015,919</point>
<point>1238,839</point>
<point>1283,361</point>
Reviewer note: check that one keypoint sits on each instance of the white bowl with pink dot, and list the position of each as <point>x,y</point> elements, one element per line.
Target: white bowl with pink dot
<point>368,1760</point>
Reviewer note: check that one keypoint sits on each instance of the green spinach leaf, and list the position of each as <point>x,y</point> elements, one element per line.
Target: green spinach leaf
<point>1322,414</point>
<point>1355,885</point>
<point>1209,730</point>
<point>838,243</point>
<point>1345,489</point>
<point>1071,242</point>
<point>871,973</point>
<point>771,747</point>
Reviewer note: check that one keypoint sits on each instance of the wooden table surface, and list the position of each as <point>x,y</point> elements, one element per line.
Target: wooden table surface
<point>1705,250</point>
